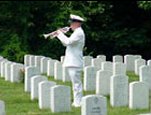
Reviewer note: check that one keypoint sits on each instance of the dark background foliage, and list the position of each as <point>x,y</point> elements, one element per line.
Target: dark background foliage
<point>111,28</point>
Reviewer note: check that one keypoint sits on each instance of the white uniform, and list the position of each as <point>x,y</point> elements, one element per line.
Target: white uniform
<point>74,59</point>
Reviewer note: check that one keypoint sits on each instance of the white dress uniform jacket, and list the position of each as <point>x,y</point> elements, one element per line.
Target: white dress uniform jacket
<point>74,48</point>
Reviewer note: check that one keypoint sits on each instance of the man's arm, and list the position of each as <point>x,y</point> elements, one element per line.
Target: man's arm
<point>67,41</point>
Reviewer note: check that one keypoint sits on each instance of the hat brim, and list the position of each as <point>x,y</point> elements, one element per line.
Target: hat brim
<point>74,20</point>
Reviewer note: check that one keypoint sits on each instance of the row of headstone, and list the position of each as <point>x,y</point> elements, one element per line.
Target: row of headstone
<point>116,85</point>
<point>47,92</point>
<point>129,60</point>
<point>116,80</point>
<point>11,71</point>
<point>48,66</point>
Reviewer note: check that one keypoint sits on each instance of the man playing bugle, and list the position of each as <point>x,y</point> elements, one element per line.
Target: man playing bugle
<point>74,56</point>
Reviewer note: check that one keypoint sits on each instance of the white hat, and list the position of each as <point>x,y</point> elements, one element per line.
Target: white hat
<point>76,18</point>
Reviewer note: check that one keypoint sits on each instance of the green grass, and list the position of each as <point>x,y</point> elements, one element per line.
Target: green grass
<point>18,102</point>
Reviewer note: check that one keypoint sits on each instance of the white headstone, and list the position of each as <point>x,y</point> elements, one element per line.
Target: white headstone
<point>35,80</point>
<point>149,62</point>
<point>137,56</point>
<point>60,98</point>
<point>102,57</point>
<point>119,90</point>
<point>38,61</point>
<point>58,71</point>
<point>3,67</point>
<point>129,61</point>
<point>29,73</point>
<point>94,105</point>
<point>2,108</point>
<point>87,60</point>
<point>138,95</point>
<point>1,58</point>
<point>32,60</point>
<point>138,64</point>
<point>145,114</point>
<point>89,78</point>
<point>97,62</point>
<point>62,59</point>
<point>27,60</point>
<point>119,68</point>
<point>103,82</point>
<point>8,71</point>
<point>16,72</point>
<point>118,58</point>
<point>65,75</point>
<point>145,75</point>
<point>108,66</point>
<point>44,94</point>
<point>51,67</point>
<point>44,64</point>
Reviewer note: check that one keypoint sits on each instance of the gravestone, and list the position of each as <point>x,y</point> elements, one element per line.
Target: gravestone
<point>87,61</point>
<point>137,56</point>
<point>145,75</point>
<point>16,72</point>
<point>97,63</point>
<point>138,95</point>
<point>102,57</point>
<point>118,58</point>
<point>58,71</point>
<point>89,78</point>
<point>44,94</point>
<point>119,68</point>
<point>94,105</point>
<point>60,98</point>
<point>35,80</point>
<point>3,67</point>
<point>27,60</point>
<point>44,64</point>
<point>29,73</point>
<point>51,67</point>
<point>103,82</point>
<point>149,62</point>
<point>1,58</point>
<point>38,61</point>
<point>138,64</point>
<point>8,70</point>
<point>32,60</point>
<point>108,66</point>
<point>119,90</point>
<point>145,114</point>
<point>2,108</point>
<point>129,61</point>
<point>62,59</point>
<point>65,75</point>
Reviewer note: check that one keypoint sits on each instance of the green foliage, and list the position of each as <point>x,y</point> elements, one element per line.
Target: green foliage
<point>145,4</point>
<point>110,27</point>
<point>12,50</point>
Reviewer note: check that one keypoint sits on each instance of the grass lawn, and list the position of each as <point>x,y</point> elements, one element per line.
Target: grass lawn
<point>18,102</point>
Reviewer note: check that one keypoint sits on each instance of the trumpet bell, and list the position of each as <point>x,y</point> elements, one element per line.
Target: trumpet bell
<point>45,35</point>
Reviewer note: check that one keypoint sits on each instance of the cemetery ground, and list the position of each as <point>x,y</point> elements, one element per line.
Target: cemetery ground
<point>18,102</point>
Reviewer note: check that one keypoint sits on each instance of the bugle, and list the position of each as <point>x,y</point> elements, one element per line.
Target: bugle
<point>54,33</point>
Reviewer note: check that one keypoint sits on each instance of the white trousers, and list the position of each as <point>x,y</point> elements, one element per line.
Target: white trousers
<point>75,76</point>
